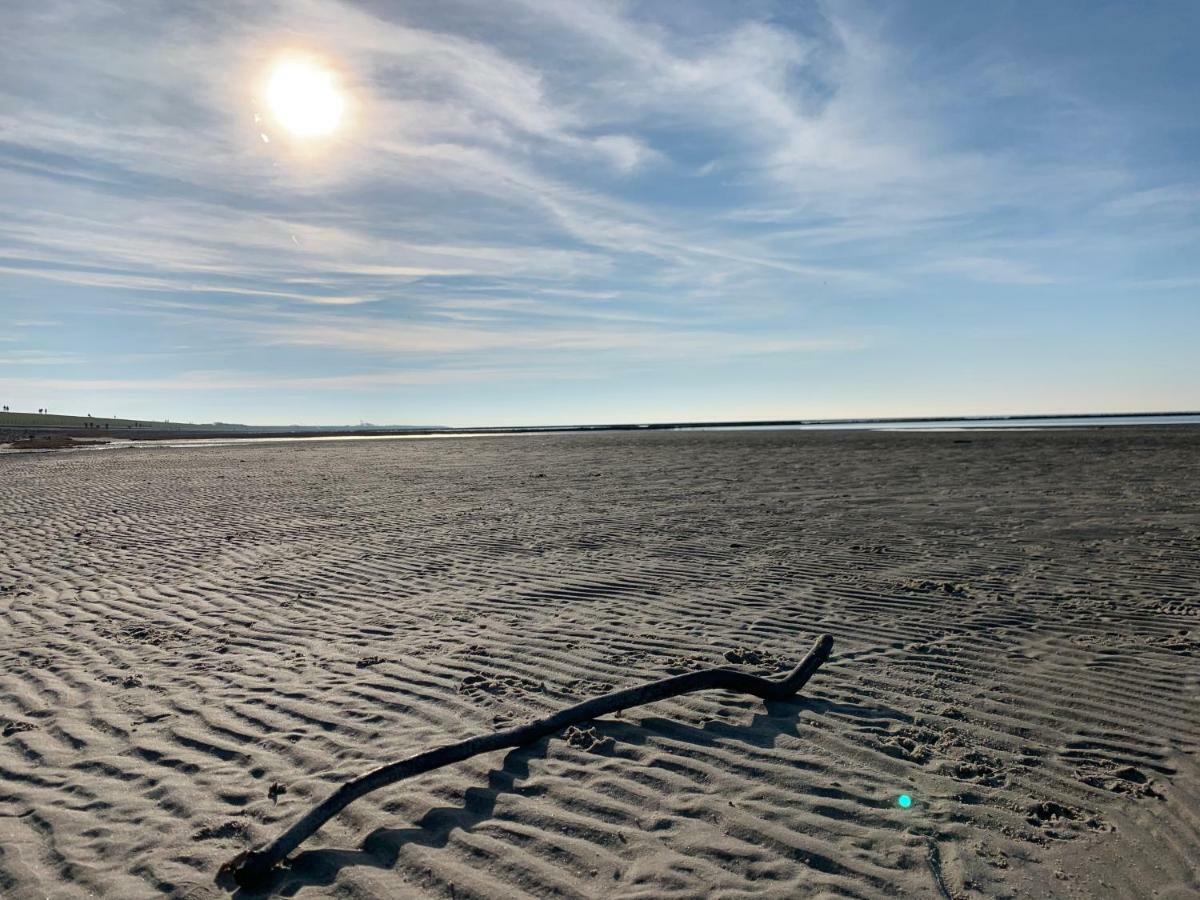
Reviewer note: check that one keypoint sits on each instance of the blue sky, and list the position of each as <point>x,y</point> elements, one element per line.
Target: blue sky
<point>548,211</point>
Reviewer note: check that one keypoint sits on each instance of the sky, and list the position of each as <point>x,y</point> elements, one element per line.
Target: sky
<point>554,212</point>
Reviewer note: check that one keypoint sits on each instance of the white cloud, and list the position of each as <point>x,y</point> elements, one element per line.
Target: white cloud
<point>570,177</point>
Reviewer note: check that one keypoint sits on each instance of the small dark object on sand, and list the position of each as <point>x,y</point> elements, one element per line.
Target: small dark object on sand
<point>253,867</point>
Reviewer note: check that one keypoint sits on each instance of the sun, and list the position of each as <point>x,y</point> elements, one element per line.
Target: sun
<point>304,97</point>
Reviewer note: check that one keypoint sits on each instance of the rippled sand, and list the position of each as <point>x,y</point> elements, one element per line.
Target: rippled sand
<point>197,643</point>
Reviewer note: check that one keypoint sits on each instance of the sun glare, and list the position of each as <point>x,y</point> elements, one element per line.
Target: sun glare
<point>304,98</point>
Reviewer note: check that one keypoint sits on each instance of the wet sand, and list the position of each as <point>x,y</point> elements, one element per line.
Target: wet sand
<point>197,643</point>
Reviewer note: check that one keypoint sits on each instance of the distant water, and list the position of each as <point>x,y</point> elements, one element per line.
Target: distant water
<point>983,424</point>
<point>959,424</point>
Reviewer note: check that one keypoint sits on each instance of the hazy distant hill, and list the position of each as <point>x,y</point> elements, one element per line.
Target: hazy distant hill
<point>361,426</point>
<point>20,420</point>
<point>52,420</point>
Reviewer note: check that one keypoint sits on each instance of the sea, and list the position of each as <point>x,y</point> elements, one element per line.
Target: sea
<point>984,423</point>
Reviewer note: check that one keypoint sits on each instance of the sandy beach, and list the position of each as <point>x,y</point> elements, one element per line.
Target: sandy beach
<point>196,644</point>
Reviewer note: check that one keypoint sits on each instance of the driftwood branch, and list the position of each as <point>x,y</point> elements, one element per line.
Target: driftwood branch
<point>254,866</point>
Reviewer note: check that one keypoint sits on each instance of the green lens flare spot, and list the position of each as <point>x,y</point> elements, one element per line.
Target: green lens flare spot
<point>904,801</point>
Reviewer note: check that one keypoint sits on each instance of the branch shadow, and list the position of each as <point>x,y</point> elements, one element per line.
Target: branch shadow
<point>381,848</point>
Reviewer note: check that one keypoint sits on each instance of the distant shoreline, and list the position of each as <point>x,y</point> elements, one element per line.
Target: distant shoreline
<point>199,432</point>
<point>1015,614</point>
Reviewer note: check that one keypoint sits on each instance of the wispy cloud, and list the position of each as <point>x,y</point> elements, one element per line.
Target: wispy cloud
<point>748,186</point>
<point>252,381</point>
<point>990,270</point>
<point>377,337</point>
<point>37,358</point>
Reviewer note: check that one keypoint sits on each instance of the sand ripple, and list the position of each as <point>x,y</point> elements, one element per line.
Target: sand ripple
<point>197,643</point>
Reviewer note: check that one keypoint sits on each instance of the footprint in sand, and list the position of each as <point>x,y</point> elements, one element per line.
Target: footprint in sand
<point>225,831</point>
<point>948,752</point>
<point>1061,821</point>
<point>484,687</point>
<point>762,659</point>
<point>1118,762</point>
<point>588,739</point>
<point>587,687</point>
<point>9,727</point>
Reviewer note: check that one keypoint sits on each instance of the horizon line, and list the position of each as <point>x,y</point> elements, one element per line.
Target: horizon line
<point>213,428</point>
